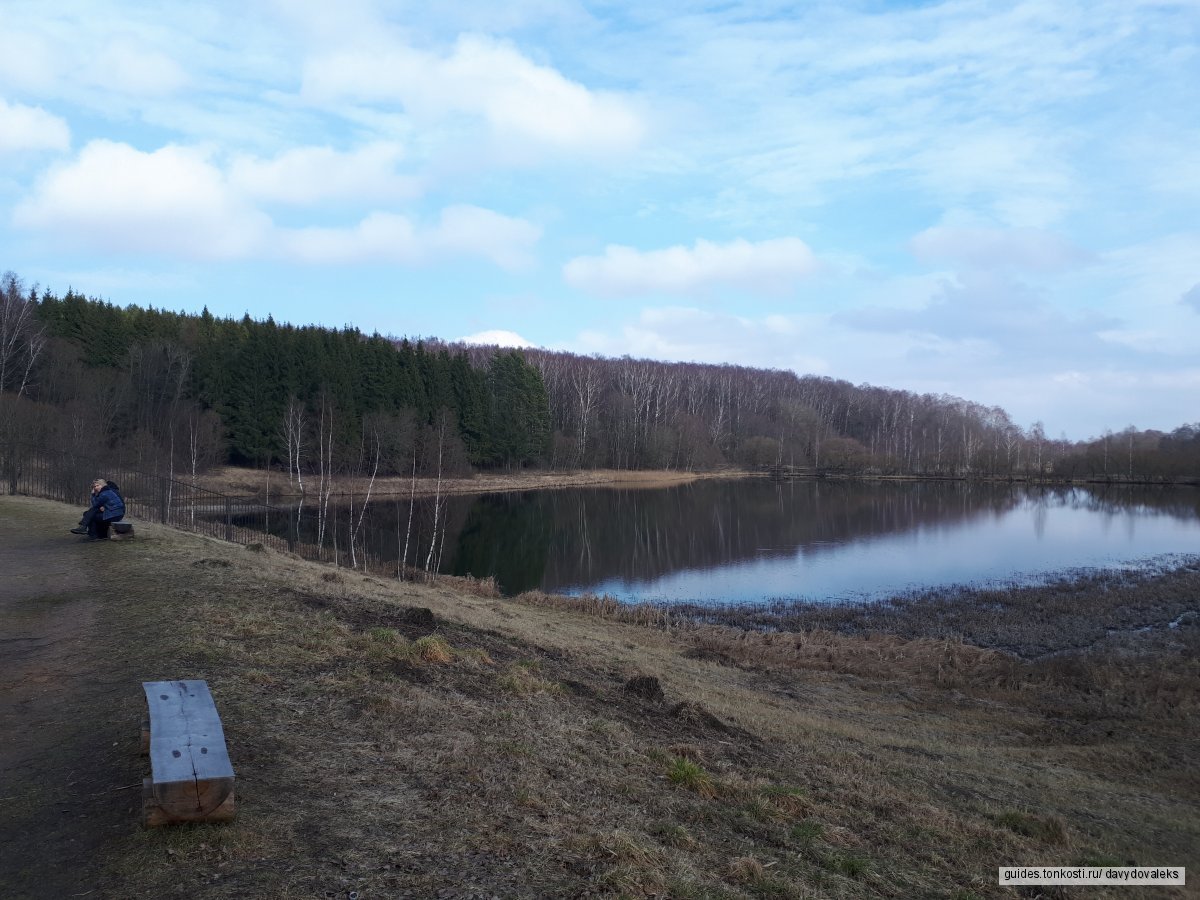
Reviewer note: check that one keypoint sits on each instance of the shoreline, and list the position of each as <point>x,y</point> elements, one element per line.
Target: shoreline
<point>1030,622</point>
<point>274,485</point>
<point>271,485</point>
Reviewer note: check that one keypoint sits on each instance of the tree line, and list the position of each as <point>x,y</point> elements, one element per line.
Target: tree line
<point>184,391</point>
<point>187,391</point>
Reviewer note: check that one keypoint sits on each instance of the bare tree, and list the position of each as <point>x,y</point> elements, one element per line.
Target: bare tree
<point>325,472</point>
<point>294,435</point>
<point>370,452</point>
<point>22,336</point>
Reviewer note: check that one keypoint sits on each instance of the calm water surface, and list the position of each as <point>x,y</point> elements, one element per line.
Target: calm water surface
<point>750,541</point>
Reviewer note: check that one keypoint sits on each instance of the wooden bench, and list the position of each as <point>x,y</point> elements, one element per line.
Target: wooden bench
<point>191,779</point>
<point>121,531</point>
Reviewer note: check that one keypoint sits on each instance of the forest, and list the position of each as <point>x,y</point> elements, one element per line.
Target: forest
<point>183,392</point>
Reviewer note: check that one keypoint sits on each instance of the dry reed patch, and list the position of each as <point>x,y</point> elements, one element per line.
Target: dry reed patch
<point>1074,612</point>
<point>603,607</point>
<point>943,663</point>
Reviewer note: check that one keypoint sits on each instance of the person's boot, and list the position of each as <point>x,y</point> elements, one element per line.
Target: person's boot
<point>80,530</point>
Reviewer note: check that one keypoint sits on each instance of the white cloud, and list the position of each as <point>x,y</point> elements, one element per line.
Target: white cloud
<point>1085,402</point>
<point>125,64</point>
<point>994,310</point>
<point>769,267</point>
<point>28,62</point>
<point>176,201</point>
<point>482,77</point>
<point>686,334</point>
<point>117,198</point>
<point>462,231</point>
<point>994,248</point>
<point>31,128</point>
<point>307,175</point>
<point>1025,173</point>
<point>497,338</point>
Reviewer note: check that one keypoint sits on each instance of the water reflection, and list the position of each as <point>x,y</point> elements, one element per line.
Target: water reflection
<point>747,541</point>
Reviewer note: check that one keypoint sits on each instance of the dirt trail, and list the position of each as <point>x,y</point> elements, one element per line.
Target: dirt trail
<point>69,766</point>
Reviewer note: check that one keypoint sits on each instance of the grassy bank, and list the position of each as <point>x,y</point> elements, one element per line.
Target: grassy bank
<point>428,740</point>
<point>275,485</point>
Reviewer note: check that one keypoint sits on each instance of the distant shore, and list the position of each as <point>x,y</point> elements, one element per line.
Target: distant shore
<point>272,485</point>
<point>262,484</point>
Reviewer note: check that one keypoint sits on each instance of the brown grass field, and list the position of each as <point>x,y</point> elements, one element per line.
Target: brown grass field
<point>434,740</point>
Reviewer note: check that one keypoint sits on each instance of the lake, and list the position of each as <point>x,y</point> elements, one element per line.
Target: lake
<point>751,540</point>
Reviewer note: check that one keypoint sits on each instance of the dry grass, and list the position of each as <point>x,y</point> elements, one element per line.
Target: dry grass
<point>257,483</point>
<point>809,764</point>
<point>602,607</point>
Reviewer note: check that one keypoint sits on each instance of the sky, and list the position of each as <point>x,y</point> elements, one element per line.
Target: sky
<point>998,201</point>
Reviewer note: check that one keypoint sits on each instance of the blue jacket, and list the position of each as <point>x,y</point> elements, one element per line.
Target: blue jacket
<point>114,506</point>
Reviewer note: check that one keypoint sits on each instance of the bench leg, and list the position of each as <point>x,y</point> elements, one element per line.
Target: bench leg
<point>174,804</point>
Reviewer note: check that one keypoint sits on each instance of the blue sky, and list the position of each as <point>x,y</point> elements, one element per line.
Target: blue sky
<point>999,201</point>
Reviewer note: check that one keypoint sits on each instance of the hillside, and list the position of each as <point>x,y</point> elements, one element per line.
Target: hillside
<point>490,747</point>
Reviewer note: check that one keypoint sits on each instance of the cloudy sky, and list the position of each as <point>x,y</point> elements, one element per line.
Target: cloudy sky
<point>995,200</point>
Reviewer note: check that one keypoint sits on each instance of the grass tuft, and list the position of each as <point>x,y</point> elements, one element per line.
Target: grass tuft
<point>806,833</point>
<point>684,773</point>
<point>674,835</point>
<point>746,870</point>
<point>433,649</point>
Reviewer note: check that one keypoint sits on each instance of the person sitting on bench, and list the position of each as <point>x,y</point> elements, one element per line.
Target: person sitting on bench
<point>107,507</point>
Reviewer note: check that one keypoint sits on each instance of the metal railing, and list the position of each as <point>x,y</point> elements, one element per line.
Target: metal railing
<point>67,477</point>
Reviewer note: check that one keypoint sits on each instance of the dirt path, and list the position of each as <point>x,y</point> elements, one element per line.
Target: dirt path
<point>69,766</point>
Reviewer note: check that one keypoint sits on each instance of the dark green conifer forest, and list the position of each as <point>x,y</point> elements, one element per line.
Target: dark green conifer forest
<point>160,370</point>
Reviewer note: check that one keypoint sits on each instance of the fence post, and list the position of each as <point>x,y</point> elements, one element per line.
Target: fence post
<point>162,499</point>
<point>292,533</point>
<point>229,519</point>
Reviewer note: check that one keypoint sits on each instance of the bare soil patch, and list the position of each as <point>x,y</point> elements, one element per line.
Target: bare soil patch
<point>410,740</point>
